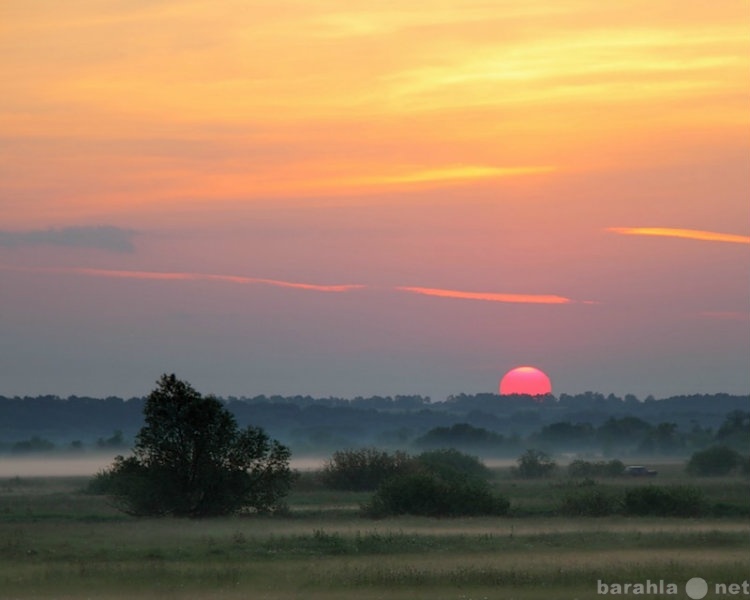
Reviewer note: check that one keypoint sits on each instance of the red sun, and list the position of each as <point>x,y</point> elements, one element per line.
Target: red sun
<point>525,380</point>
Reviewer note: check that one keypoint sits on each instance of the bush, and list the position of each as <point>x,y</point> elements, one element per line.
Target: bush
<point>460,435</point>
<point>427,494</point>
<point>100,484</point>
<point>714,461</point>
<point>588,499</point>
<point>452,464</point>
<point>367,468</point>
<point>363,469</point>
<point>534,464</point>
<point>671,501</point>
<point>584,469</point>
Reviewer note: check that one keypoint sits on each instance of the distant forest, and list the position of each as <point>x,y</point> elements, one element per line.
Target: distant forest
<point>485,424</point>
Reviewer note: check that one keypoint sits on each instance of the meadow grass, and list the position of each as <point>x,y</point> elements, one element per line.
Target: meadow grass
<point>56,542</point>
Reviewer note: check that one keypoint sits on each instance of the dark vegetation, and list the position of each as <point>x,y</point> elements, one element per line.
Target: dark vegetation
<point>484,424</point>
<point>534,464</point>
<point>716,461</point>
<point>429,494</point>
<point>436,483</point>
<point>589,498</point>
<point>364,469</point>
<point>191,460</point>
<point>446,483</point>
<point>665,501</point>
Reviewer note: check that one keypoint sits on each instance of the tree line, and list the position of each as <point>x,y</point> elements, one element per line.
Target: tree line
<point>624,436</point>
<point>314,425</point>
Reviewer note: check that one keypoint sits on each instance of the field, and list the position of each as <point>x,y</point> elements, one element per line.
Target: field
<point>56,542</point>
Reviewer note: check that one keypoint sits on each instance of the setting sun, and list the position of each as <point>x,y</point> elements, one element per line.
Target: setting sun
<point>525,380</point>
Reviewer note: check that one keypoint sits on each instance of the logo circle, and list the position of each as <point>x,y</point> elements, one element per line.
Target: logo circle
<point>696,588</point>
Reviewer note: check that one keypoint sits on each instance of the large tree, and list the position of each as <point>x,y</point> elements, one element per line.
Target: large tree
<point>191,459</point>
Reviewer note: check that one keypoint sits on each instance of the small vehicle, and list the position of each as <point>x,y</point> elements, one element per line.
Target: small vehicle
<point>639,471</point>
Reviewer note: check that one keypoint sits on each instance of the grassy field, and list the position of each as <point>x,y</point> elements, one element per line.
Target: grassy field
<point>56,542</point>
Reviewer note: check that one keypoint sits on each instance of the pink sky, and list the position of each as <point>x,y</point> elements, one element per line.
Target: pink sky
<point>341,198</point>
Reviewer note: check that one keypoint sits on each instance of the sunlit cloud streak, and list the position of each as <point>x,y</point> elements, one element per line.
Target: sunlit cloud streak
<point>243,280</point>
<point>690,234</point>
<point>489,296</point>
<point>186,276</point>
<point>447,174</point>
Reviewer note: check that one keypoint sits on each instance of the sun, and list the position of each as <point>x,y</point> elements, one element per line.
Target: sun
<point>525,380</point>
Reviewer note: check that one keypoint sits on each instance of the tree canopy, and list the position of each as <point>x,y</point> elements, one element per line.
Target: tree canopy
<point>191,459</point>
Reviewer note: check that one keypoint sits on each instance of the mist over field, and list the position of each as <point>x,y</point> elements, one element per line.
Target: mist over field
<point>84,466</point>
<point>52,466</point>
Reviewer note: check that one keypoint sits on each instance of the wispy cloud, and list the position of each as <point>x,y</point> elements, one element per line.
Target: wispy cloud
<point>448,174</point>
<point>186,276</point>
<point>690,234</point>
<point>489,296</point>
<point>348,287</point>
<point>103,237</point>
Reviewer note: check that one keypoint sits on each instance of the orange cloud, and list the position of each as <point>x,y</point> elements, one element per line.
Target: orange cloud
<point>446,174</point>
<point>489,296</point>
<point>690,234</point>
<point>183,276</point>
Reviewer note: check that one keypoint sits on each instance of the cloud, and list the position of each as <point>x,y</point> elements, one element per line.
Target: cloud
<point>448,174</point>
<point>690,234</point>
<point>243,280</point>
<point>489,296</point>
<point>186,276</point>
<point>103,237</point>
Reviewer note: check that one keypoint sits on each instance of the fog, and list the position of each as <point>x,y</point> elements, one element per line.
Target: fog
<point>56,466</point>
<point>49,466</point>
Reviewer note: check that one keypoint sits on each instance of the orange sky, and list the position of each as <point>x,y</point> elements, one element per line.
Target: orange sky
<point>137,104</point>
<point>569,152</point>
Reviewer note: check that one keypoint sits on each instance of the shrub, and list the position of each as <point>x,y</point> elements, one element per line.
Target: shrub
<point>671,501</point>
<point>452,464</point>
<point>363,469</point>
<point>534,464</point>
<point>427,494</point>
<point>100,484</point>
<point>714,461</point>
<point>461,435</point>
<point>589,499</point>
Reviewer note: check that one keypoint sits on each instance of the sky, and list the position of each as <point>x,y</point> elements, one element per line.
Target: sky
<point>348,198</point>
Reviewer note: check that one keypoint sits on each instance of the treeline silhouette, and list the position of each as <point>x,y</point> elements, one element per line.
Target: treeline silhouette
<point>588,422</point>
